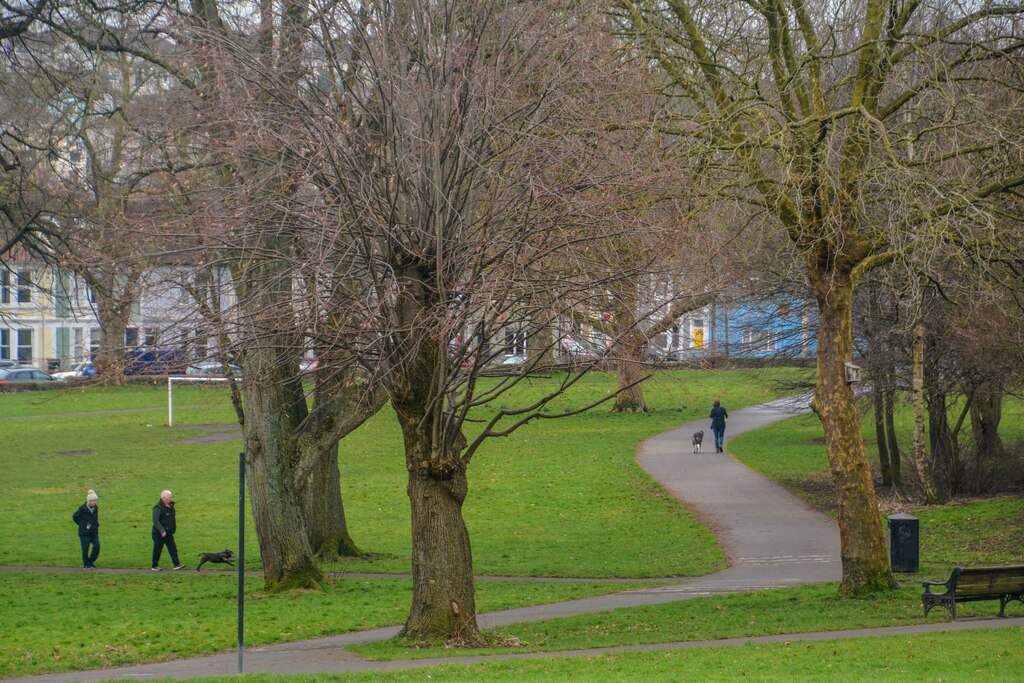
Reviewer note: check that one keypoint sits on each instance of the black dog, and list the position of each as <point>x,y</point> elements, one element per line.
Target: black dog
<point>217,558</point>
<point>698,439</point>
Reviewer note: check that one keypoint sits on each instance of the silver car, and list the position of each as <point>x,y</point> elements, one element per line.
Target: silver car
<point>24,375</point>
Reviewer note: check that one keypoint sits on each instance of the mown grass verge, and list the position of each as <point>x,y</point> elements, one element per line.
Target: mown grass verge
<point>801,609</point>
<point>65,622</point>
<point>558,498</point>
<point>977,656</point>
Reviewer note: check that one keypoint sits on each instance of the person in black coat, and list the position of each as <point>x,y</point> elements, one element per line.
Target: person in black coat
<point>87,517</point>
<point>164,526</point>
<point>718,417</point>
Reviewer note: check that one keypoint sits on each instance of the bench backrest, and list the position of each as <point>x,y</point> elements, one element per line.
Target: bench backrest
<point>990,581</point>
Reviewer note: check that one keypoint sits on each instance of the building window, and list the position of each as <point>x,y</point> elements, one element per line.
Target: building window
<point>760,341</point>
<point>24,286</point>
<point>62,295</point>
<point>5,287</point>
<point>150,337</point>
<point>131,337</point>
<point>25,346</point>
<point>79,345</point>
<point>95,338</point>
<point>5,344</point>
<point>515,341</point>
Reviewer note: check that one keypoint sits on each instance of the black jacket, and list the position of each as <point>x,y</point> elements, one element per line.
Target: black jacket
<point>718,415</point>
<point>87,519</point>
<point>163,518</point>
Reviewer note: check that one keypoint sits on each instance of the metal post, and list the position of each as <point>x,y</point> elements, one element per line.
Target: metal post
<point>170,405</point>
<point>241,560</point>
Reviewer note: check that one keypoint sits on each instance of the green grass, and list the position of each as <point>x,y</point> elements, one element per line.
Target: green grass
<point>64,622</point>
<point>990,655</point>
<point>102,398</point>
<point>802,609</point>
<point>558,498</point>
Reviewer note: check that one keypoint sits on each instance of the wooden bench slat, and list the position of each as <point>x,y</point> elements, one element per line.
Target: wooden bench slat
<point>974,584</point>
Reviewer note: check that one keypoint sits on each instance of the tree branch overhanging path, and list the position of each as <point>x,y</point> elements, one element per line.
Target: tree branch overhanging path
<point>839,124</point>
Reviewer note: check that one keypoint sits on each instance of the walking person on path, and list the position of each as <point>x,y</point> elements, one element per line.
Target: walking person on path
<point>164,526</point>
<point>718,417</point>
<point>87,517</point>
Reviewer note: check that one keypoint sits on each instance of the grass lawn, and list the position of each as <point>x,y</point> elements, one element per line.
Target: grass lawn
<point>990,655</point>
<point>101,398</point>
<point>801,609</point>
<point>558,498</point>
<point>65,622</point>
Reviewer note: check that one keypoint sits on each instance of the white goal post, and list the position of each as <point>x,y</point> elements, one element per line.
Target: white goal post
<point>183,378</point>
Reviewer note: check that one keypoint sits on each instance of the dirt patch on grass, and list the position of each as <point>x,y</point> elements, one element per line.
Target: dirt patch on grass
<point>83,451</point>
<point>818,490</point>
<point>221,432</point>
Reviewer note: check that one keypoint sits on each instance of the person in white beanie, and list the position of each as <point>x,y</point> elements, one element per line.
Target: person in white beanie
<point>164,526</point>
<point>87,517</point>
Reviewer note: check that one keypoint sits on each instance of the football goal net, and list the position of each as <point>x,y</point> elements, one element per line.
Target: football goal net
<point>171,381</point>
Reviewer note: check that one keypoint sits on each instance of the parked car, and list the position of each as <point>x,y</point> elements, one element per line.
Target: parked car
<point>577,351</point>
<point>212,368</point>
<point>24,375</point>
<point>85,369</point>
<point>7,364</point>
<point>155,362</point>
<point>514,359</point>
<point>309,364</point>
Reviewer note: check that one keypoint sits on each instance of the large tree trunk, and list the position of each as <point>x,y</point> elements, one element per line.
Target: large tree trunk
<point>890,431</point>
<point>941,445</point>
<point>110,358</point>
<point>112,315</point>
<point>865,563</point>
<point>272,409</point>
<point>443,601</point>
<point>629,351</point>
<point>944,454</point>
<point>628,373</point>
<point>324,512</point>
<point>986,414</point>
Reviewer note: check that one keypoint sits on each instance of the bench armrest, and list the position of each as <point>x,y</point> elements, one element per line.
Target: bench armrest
<point>928,585</point>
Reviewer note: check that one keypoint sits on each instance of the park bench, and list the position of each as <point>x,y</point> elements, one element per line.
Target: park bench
<point>978,583</point>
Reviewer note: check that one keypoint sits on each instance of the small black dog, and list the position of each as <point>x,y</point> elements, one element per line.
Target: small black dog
<point>217,558</point>
<point>698,439</point>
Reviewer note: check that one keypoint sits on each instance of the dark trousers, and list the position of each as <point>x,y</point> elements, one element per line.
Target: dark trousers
<point>158,545</point>
<point>90,541</point>
<point>719,433</point>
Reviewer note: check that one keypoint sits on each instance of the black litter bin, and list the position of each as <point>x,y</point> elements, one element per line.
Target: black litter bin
<point>904,539</point>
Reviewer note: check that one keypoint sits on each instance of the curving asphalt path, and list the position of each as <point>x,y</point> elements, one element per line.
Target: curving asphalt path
<point>771,539</point>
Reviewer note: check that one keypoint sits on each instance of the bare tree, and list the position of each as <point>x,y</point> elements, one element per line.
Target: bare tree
<point>803,111</point>
<point>448,158</point>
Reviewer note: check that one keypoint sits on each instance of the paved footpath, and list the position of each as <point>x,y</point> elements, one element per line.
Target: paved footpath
<point>770,537</point>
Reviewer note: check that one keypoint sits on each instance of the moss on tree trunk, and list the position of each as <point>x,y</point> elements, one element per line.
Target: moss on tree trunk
<point>324,511</point>
<point>864,558</point>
